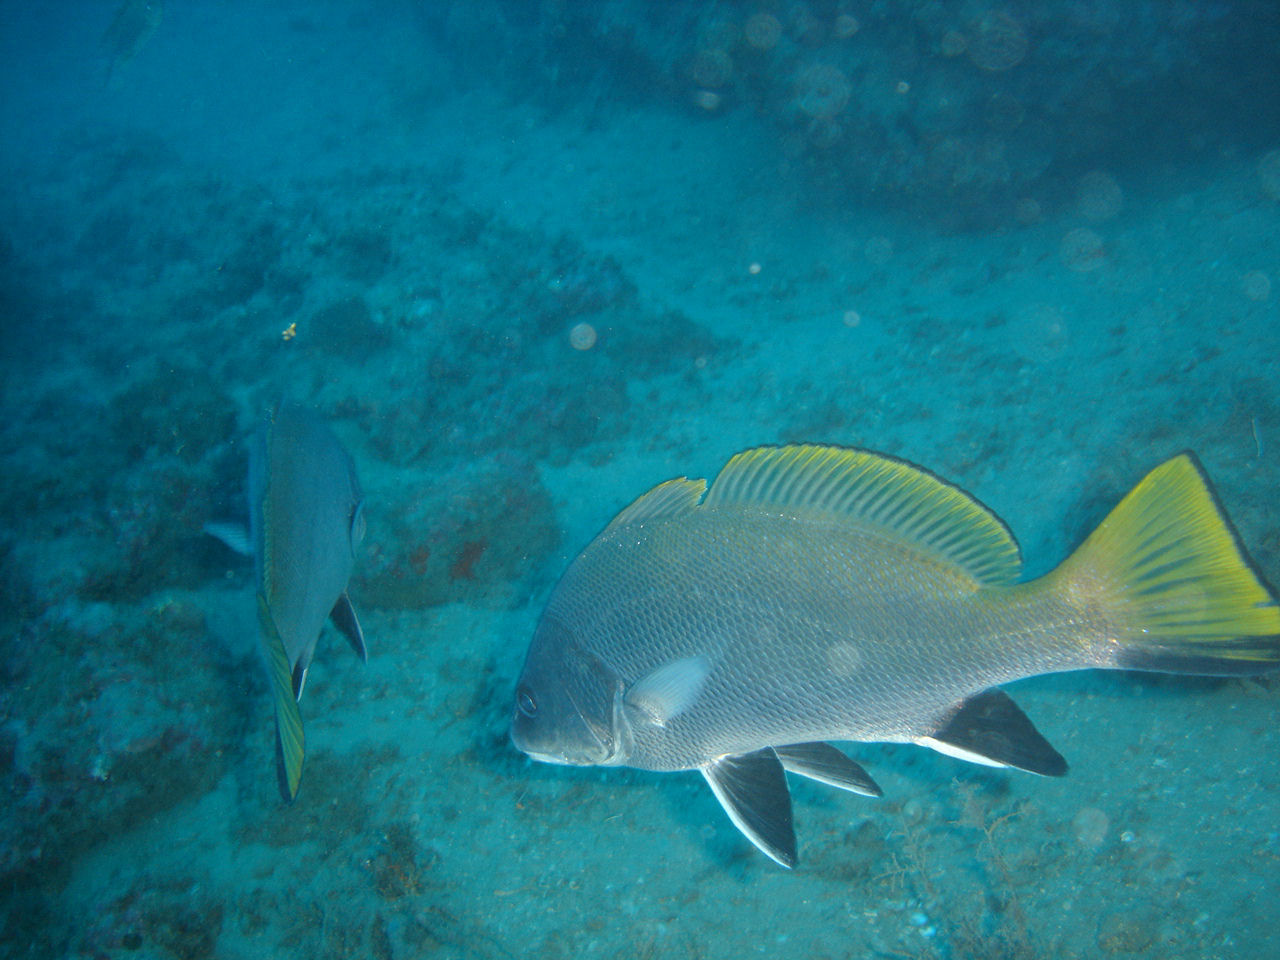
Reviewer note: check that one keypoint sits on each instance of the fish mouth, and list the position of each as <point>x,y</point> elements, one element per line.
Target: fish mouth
<point>562,752</point>
<point>566,755</point>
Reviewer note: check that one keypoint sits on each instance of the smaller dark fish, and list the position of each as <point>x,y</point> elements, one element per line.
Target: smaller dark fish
<point>305,520</point>
<point>133,25</point>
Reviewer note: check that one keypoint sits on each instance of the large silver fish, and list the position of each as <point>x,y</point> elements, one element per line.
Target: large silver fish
<point>817,593</point>
<point>305,520</point>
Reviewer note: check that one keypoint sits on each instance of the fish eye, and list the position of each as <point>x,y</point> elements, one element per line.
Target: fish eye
<point>525,702</point>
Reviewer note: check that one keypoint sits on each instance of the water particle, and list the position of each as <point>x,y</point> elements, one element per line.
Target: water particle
<point>1089,826</point>
<point>822,91</point>
<point>953,44</point>
<point>708,100</point>
<point>999,42</point>
<point>1269,173</point>
<point>1098,196</point>
<point>711,68</point>
<point>1256,285</point>
<point>762,31</point>
<point>1027,211</point>
<point>846,26</point>
<point>844,659</point>
<point>1082,250</point>
<point>879,250</point>
<point>582,337</point>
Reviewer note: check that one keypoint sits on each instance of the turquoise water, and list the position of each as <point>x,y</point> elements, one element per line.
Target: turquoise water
<point>530,259</point>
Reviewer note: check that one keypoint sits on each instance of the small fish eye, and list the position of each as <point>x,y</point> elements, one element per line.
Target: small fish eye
<point>525,702</point>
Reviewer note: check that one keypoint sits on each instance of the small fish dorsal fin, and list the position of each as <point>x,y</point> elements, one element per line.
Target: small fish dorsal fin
<point>665,500</point>
<point>870,489</point>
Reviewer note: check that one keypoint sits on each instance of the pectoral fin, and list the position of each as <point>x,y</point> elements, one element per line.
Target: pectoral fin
<point>669,690</point>
<point>233,536</point>
<point>826,764</point>
<point>343,616</point>
<point>752,788</point>
<point>988,728</point>
<point>290,744</point>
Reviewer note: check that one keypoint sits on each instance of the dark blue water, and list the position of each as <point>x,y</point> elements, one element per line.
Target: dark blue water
<point>529,259</point>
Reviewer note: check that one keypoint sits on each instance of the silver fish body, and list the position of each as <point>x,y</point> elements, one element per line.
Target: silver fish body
<point>818,594</point>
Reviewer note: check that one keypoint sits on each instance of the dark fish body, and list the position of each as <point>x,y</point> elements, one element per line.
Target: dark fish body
<point>816,594</point>
<point>305,520</point>
<point>134,23</point>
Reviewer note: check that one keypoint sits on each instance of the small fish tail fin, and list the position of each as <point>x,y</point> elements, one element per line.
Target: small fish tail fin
<point>290,742</point>
<point>1167,576</point>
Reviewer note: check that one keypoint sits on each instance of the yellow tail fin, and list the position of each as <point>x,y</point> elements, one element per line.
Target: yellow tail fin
<point>290,743</point>
<point>1172,581</point>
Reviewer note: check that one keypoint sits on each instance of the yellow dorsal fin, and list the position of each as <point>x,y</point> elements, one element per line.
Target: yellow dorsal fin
<point>665,500</point>
<point>861,488</point>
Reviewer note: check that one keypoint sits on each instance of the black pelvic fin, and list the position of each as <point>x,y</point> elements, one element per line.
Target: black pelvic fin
<point>989,728</point>
<point>299,680</point>
<point>752,788</point>
<point>824,763</point>
<point>343,616</point>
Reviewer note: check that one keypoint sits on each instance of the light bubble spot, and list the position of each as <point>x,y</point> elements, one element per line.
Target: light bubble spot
<point>1256,285</point>
<point>1082,250</point>
<point>707,99</point>
<point>582,336</point>
<point>953,44</point>
<point>1269,172</point>
<point>711,68</point>
<point>1027,211</point>
<point>846,26</point>
<point>879,250</point>
<point>1090,826</point>
<point>1041,334</point>
<point>998,42</point>
<point>1098,196</point>
<point>844,659</point>
<point>851,318</point>
<point>822,91</point>
<point>1004,113</point>
<point>762,31</point>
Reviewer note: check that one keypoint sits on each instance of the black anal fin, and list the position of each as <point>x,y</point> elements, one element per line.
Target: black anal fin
<point>988,728</point>
<point>343,616</point>
<point>826,764</point>
<point>752,788</point>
